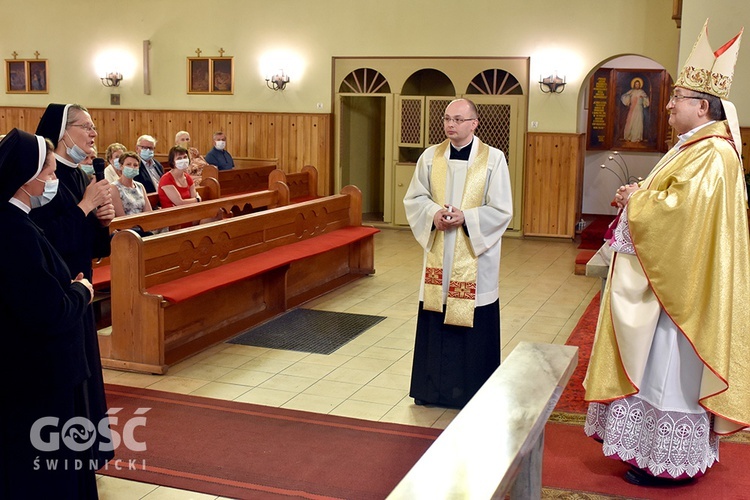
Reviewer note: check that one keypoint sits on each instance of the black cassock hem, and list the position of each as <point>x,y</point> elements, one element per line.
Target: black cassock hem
<point>452,362</point>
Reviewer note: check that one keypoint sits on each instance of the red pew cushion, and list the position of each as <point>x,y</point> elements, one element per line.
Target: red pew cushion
<point>196,284</point>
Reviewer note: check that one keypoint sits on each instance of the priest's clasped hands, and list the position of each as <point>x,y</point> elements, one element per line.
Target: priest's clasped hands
<point>623,194</point>
<point>448,217</point>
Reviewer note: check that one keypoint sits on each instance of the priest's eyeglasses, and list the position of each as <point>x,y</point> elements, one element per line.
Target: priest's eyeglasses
<point>678,97</point>
<point>457,121</point>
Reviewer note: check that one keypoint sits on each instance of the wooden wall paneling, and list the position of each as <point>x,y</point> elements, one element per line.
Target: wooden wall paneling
<point>553,184</point>
<point>294,139</point>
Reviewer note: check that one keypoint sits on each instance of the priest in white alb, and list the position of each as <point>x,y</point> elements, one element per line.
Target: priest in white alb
<point>458,206</point>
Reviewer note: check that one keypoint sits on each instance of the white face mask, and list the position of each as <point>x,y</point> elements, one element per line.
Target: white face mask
<point>220,145</point>
<point>50,190</point>
<point>182,163</point>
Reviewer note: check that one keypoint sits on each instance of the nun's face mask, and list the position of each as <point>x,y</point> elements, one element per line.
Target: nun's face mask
<point>46,177</point>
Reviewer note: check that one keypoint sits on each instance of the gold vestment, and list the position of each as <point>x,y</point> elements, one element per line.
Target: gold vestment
<point>689,228</point>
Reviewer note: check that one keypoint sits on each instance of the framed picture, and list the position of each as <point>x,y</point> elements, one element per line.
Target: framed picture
<point>640,112</point>
<point>38,76</point>
<point>16,74</point>
<point>26,76</point>
<point>210,75</point>
<point>627,109</point>
<point>198,75</point>
<point>222,71</point>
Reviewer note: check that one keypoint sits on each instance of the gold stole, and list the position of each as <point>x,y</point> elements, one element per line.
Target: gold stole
<point>462,291</point>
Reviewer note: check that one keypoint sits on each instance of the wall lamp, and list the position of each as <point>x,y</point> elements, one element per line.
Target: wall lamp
<point>277,81</point>
<point>112,79</point>
<point>552,84</point>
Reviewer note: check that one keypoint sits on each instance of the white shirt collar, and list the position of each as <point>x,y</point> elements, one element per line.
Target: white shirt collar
<point>65,162</point>
<point>23,206</point>
<point>683,138</point>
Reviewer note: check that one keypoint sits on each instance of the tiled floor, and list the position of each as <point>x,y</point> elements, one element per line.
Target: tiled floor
<point>368,378</point>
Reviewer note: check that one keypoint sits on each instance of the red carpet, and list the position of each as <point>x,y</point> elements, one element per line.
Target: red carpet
<point>575,462</point>
<point>241,450</point>
<point>583,337</point>
<point>592,235</point>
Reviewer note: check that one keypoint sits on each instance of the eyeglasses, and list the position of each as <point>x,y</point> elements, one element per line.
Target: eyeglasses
<point>150,148</point>
<point>457,121</point>
<point>85,126</point>
<point>677,97</point>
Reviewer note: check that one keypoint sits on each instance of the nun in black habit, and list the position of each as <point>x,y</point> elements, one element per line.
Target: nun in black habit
<point>75,222</point>
<point>43,365</point>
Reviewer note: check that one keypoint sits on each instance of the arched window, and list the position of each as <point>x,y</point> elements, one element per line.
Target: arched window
<point>365,81</point>
<point>494,82</point>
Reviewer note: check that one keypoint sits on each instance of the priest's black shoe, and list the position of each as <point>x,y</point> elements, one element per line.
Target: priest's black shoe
<point>641,478</point>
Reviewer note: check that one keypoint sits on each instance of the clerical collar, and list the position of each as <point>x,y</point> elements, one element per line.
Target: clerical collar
<point>682,139</point>
<point>461,153</point>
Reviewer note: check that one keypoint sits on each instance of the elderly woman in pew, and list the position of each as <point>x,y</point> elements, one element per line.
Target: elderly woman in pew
<point>133,198</point>
<point>112,157</point>
<point>176,187</point>
<point>43,362</point>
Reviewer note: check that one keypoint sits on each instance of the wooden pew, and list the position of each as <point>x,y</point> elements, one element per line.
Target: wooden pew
<point>303,185</point>
<point>175,217</point>
<point>239,161</point>
<point>208,190</point>
<point>174,294</point>
<point>241,180</point>
<point>495,444</point>
<point>240,204</point>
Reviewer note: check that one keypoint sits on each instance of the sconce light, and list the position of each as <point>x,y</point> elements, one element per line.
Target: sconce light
<point>277,81</point>
<point>112,79</point>
<point>553,83</point>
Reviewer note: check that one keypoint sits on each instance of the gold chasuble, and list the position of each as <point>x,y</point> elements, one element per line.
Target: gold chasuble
<point>688,224</point>
<point>463,279</point>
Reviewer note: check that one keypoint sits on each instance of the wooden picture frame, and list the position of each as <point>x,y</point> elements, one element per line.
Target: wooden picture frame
<point>210,75</point>
<point>627,109</point>
<point>26,76</point>
<point>199,71</point>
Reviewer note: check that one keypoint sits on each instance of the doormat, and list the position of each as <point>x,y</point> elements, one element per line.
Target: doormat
<point>308,330</point>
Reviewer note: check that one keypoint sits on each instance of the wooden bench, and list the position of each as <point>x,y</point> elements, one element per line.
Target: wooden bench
<point>176,293</point>
<point>239,161</point>
<point>208,190</point>
<point>241,180</point>
<point>175,217</point>
<point>303,185</point>
<point>495,444</point>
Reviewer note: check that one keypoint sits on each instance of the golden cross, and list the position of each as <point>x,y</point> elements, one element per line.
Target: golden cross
<point>221,52</point>
<point>198,51</point>
<point>36,54</point>
<point>14,54</point>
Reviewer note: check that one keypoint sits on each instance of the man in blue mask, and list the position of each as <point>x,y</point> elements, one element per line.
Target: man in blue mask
<point>150,170</point>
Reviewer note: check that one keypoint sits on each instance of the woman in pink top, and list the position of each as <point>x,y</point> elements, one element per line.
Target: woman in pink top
<point>176,187</point>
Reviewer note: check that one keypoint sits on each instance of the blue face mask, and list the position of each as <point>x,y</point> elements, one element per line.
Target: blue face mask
<point>75,153</point>
<point>88,169</point>
<point>116,163</point>
<point>130,172</point>
<point>147,154</point>
<point>50,190</point>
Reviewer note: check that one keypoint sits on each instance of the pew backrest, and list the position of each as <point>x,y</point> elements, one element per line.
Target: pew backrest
<point>189,251</point>
<point>213,208</point>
